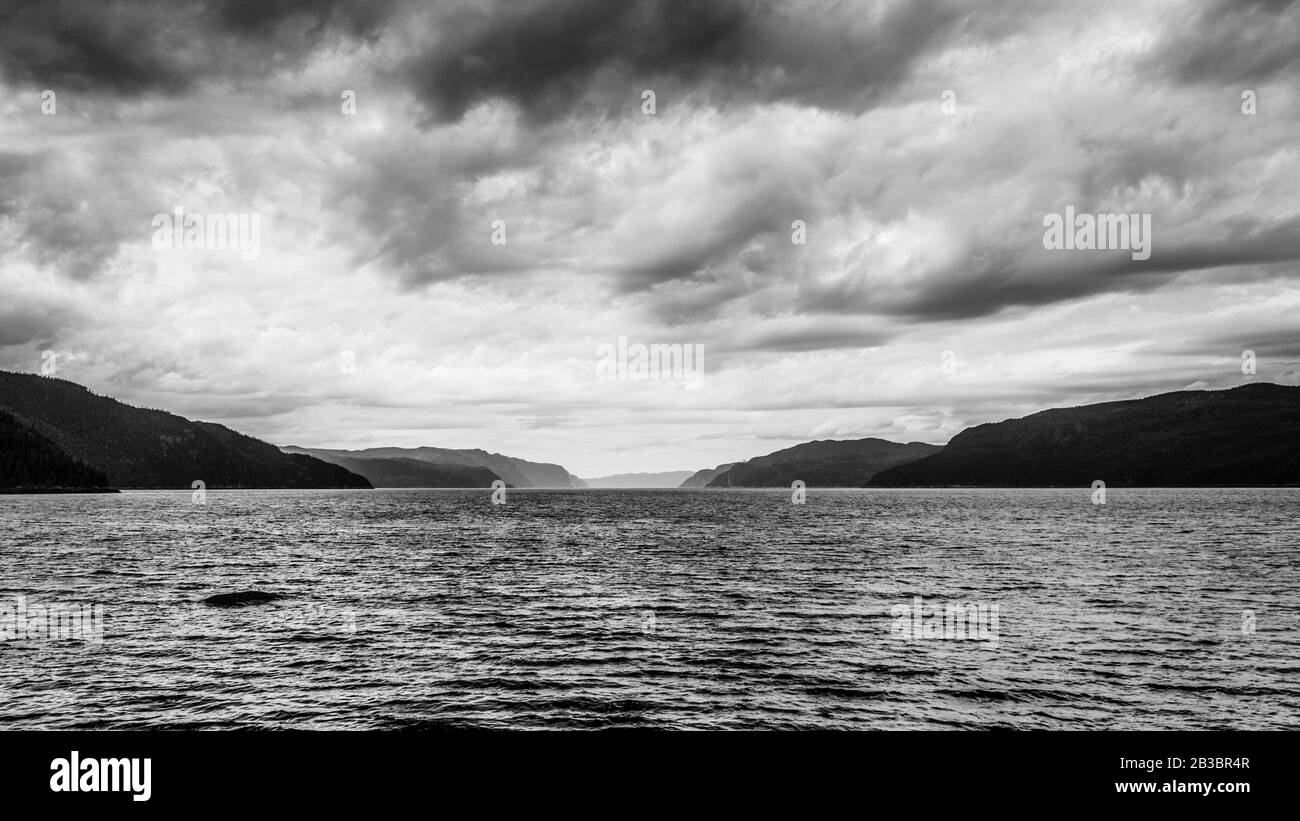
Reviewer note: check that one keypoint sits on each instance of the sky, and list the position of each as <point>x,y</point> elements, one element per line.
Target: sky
<point>459,204</point>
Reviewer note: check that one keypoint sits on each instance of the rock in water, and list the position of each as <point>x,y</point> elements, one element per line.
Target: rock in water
<point>241,598</point>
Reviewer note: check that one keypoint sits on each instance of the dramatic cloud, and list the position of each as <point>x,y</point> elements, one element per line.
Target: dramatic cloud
<point>1232,41</point>
<point>457,203</point>
<point>549,57</point>
<point>135,47</point>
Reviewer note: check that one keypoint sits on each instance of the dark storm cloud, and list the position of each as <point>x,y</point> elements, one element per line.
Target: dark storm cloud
<point>66,215</point>
<point>359,18</point>
<point>35,323</point>
<point>761,220</point>
<point>996,278</point>
<point>125,47</point>
<point>546,56</point>
<point>133,47</point>
<point>410,204</point>
<point>1268,340</point>
<point>1232,41</point>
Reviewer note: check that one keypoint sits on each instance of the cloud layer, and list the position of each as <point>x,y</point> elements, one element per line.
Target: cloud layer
<point>835,198</point>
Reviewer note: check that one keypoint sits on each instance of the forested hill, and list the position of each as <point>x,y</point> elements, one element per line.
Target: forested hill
<point>30,461</point>
<point>1246,436</point>
<point>140,448</point>
<point>824,463</point>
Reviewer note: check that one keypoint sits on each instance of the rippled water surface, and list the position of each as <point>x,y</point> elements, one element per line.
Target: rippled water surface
<point>673,609</point>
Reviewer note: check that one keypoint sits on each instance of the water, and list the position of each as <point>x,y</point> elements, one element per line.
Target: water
<point>669,609</point>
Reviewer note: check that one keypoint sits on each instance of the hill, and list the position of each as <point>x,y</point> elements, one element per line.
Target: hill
<point>399,472</point>
<point>670,478</point>
<point>1243,436</point>
<point>141,448</point>
<point>515,472</point>
<point>824,463</point>
<point>701,478</point>
<point>29,461</point>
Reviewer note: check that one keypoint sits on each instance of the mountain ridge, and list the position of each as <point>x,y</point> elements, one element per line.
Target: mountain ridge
<point>147,448</point>
<point>516,472</point>
<point>643,479</point>
<point>58,434</point>
<point>414,473</point>
<point>1245,436</point>
<point>822,463</point>
<point>703,476</point>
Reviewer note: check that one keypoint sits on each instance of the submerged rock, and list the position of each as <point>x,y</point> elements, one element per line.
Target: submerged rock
<point>241,598</point>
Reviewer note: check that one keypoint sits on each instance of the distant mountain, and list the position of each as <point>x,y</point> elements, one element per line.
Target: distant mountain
<point>671,478</point>
<point>401,472</point>
<point>30,461</point>
<point>1244,436</point>
<point>515,472</point>
<point>701,478</point>
<point>140,448</point>
<point>825,463</point>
